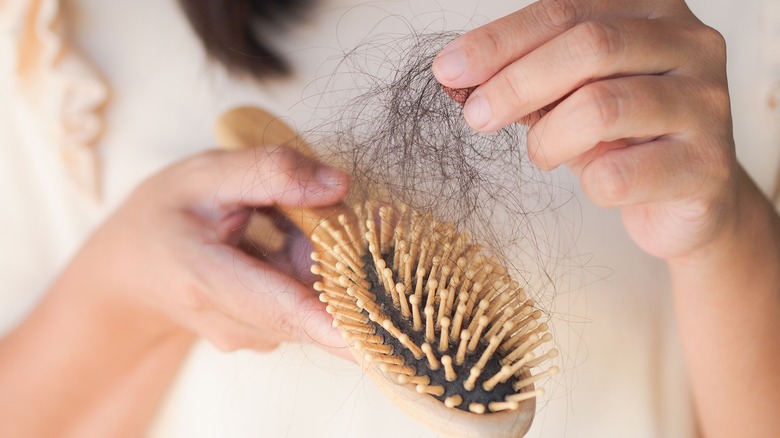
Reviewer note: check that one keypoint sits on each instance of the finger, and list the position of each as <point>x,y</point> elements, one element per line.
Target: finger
<point>660,171</point>
<point>478,55</point>
<point>605,111</point>
<point>228,334</point>
<point>316,328</point>
<point>583,54</point>
<point>258,177</point>
<point>256,294</point>
<point>280,244</point>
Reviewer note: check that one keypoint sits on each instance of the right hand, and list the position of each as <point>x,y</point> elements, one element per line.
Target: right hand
<point>631,95</point>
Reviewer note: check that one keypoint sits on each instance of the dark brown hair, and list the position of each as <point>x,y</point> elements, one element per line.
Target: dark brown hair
<point>236,32</point>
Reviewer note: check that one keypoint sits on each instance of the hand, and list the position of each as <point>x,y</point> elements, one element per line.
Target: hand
<point>631,95</point>
<point>169,253</point>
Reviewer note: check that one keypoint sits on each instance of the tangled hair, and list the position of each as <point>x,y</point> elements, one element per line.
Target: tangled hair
<point>401,134</point>
<point>403,137</point>
<point>236,32</point>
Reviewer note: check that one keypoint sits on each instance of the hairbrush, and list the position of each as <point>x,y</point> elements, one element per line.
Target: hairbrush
<point>437,323</point>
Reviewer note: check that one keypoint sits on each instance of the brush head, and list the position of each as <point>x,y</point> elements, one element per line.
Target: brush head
<point>423,305</point>
<point>438,325</point>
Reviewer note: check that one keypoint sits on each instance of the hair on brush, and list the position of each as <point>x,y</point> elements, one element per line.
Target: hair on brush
<point>421,306</point>
<point>438,321</point>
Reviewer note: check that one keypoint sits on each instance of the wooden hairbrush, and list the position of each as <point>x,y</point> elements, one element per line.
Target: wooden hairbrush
<point>437,324</point>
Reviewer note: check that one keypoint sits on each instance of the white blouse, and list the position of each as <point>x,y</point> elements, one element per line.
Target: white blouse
<point>149,97</point>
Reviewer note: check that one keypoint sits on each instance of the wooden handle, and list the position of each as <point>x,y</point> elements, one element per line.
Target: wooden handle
<point>247,126</point>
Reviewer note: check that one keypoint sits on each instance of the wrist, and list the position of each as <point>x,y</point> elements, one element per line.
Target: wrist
<point>110,304</point>
<point>747,223</point>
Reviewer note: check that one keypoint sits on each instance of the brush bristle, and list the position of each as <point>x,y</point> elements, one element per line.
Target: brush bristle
<point>430,307</point>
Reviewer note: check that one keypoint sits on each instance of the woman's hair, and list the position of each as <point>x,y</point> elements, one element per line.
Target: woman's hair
<point>236,32</point>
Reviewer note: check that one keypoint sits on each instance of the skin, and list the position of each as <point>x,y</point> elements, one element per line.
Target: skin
<point>161,271</point>
<point>633,98</point>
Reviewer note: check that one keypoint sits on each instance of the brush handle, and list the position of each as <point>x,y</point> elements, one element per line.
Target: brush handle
<point>245,127</point>
<point>251,127</point>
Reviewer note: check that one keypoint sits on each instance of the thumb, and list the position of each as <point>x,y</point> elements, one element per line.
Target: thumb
<point>317,329</point>
<point>263,176</point>
<point>256,294</point>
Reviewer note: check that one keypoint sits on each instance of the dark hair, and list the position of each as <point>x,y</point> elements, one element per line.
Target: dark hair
<point>236,32</point>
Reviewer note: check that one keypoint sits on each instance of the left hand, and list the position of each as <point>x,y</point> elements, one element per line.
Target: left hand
<point>169,253</point>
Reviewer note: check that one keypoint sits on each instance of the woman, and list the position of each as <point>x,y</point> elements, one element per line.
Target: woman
<point>161,270</point>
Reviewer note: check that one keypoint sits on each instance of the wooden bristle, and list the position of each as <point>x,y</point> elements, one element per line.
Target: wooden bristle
<point>477,408</point>
<point>430,330</point>
<point>350,327</point>
<point>397,369</point>
<point>414,300</point>
<point>449,371</point>
<point>393,360</point>
<point>400,290</point>
<point>433,362</point>
<point>414,380</point>
<point>502,406</point>
<point>430,308</point>
<point>553,353</point>
<point>464,340</point>
<point>525,395</point>
<point>375,348</point>
<point>432,390</point>
<point>481,324</point>
<point>533,379</point>
<point>444,338</point>
<point>453,401</point>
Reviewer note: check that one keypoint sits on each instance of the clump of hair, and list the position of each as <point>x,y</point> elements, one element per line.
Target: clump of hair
<point>403,138</point>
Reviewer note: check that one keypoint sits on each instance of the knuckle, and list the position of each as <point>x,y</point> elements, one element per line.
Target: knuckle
<point>717,99</point>
<point>227,334</point>
<point>592,42</point>
<point>720,163</point>
<point>714,42</point>
<point>201,162</point>
<point>561,14</point>
<point>712,117</point>
<point>279,172</point>
<point>603,105</point>
<point>196,167</point>
<point>510,83</point>
<point>193,298</point>
<point>535,144</point>
<point>606,183</point>
<point>193,288</point>
<point>283,324</point>
<point>487,41</point>
<point>283,160</point>
<point>227,343</point>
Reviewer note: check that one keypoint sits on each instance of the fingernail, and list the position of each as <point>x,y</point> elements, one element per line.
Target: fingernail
<point>450,63</point>
<point>321,331</point>
<point>477,111</point>
<point>331,177</point>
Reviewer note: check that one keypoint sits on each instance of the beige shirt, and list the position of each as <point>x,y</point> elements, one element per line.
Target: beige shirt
<point>610,306</point>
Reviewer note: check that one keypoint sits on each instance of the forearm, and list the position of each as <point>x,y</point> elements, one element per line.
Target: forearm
<point>79,366</point>
<point>728,306</point>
